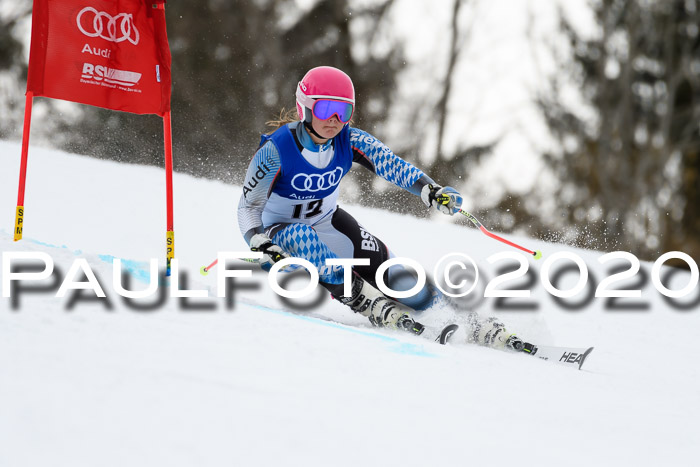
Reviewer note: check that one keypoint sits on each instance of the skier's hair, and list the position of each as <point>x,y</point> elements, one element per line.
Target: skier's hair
<point>285,116</point>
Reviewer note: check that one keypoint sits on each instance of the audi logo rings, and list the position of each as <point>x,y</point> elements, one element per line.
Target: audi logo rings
<point>317,182</point>
<point>105,25</point>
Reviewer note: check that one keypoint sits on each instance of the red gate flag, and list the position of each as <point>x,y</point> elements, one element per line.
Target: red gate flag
<point>106,53</point>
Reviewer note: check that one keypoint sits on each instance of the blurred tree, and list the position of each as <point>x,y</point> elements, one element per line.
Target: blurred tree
<point>235,65</point>
<point>13,70</point>
<point>48,115</point>
<point>629,162</point>
<point>446,167</point>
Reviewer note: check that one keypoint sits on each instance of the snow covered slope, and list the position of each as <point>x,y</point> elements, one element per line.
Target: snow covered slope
<point>87,382</point>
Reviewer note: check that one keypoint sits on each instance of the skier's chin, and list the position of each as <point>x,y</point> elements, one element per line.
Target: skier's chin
<point>330,132</point>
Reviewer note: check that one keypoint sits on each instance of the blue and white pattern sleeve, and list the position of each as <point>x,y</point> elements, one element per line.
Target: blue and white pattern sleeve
<point>259,180</point>
<point>377,157</point>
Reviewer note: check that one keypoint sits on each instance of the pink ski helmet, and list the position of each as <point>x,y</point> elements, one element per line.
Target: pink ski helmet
<point>330,85</point>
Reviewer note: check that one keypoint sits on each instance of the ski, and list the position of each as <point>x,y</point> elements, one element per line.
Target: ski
<point>573,357</point>
<point>568,356</point>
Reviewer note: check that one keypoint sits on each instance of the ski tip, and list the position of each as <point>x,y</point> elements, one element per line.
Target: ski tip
<point>584,356</point>
<point>446,333</point>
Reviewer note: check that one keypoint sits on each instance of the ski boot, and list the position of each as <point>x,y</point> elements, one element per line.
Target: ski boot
<point>381,311</point>
<point>490,332</point>
<point>406,323</point>
<point>516,344</point>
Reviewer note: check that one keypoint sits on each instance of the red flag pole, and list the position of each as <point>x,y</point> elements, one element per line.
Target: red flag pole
<point>170,238</point>
<point>19,214</point>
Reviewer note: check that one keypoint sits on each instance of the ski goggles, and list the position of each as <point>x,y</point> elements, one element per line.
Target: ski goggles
<point>324,107</point>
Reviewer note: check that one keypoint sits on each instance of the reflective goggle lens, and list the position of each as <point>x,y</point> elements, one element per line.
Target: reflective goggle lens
<point>325,109</point>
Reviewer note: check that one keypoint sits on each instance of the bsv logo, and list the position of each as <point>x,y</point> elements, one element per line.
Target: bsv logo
<point>317,182</point>
<point>110,28</point>
<point>110,75</point>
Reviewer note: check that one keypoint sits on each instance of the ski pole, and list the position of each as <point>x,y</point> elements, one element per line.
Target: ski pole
<point>537,253</point>
<point>204,270</point>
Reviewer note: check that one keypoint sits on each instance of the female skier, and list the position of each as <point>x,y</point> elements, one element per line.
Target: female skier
<point>289,205</point>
